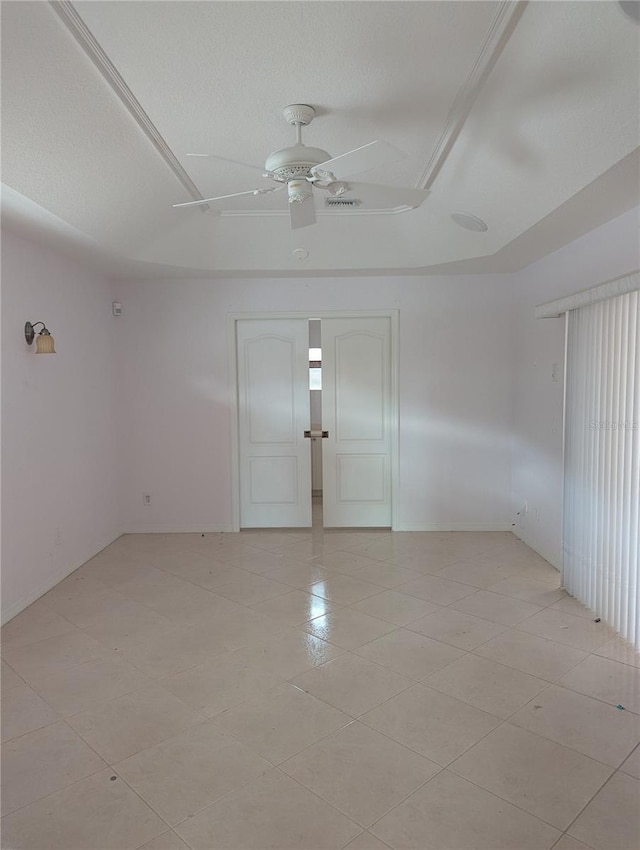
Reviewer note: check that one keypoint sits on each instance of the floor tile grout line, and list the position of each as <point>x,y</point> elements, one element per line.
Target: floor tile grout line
<point>502,719</point>
<point>366,832</point>
<point>504,799</point>
<point>125,598</point>
<point>22,681</point>
<point>274,767</point>
<point>455,646</point>
<point>550,740</point>
<point>212,802</point>
<point>139,796</point>
<point>351,721</point>
<point>365,828</point>
<point>137,752</point>
<point>278,767</point>
<point>358,717</point>
<point>88,661</point>
<point>538,734</point>
<point>517,669</point>
<point>414,681</point>
<point>547,683</point>
<point>130,693</point>
<point>350,607</point>
<point>270,690</point>
<point>505,628</point>
<point>614,771</point>
<point>591,696</point>
<point>436,671</point>
<point>166,832</point>
<point>41,601</point>
<point>406,746</point>
<point>424,682</point>
<point>568,746</point>
<point>482,788</point>
<point>107,767</point>
<point>540,637</point>
<point>566,834</point>
<point>249,571</point>
<point>290,680</point>
<point>410,679</point>
<point>37,729</point>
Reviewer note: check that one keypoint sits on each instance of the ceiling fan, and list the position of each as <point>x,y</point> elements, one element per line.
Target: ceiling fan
<point>300,169</point>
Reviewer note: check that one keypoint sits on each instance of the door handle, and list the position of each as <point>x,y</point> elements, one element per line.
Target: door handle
<point>311,434</point>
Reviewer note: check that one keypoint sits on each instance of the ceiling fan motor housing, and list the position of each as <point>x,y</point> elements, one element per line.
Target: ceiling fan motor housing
<point>294,163</point>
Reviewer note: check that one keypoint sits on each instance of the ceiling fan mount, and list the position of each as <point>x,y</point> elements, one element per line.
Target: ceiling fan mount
<point>301,169</point>
<point>295,162</point>
<point>299,113</point>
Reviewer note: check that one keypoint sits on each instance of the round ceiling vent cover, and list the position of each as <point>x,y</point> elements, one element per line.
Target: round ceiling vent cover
<point>469,222</point>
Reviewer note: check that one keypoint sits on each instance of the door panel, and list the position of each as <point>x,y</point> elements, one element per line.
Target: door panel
<point>361,478</point>
<point>273,407</point>
<point>356,405</point>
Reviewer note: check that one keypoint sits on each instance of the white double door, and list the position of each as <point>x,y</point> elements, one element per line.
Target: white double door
<point>274,412</point>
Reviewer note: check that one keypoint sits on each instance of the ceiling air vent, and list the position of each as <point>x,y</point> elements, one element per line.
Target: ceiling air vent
<point>341,202</point>
<point>469,222</point>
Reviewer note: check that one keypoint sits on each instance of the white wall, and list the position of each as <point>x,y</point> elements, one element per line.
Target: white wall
<point>141,403</point>
<point>455,393</point>
<point>605,253</point>
<point>59,495</point>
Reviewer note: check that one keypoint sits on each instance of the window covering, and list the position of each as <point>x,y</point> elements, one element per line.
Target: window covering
<point>602,460</point>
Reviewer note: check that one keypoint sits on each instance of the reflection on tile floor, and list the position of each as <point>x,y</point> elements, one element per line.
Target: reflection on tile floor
<point>317,690</point>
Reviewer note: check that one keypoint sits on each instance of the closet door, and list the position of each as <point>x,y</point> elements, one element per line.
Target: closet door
<point>356,411</point>
<point>273,405</point>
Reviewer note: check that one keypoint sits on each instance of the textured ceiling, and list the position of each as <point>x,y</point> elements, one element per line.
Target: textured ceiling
<point>509,111</point>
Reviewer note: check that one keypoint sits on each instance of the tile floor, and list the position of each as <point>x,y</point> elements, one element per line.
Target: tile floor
<point>317,690</point>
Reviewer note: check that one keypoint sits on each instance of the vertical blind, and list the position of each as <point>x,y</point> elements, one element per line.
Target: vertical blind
<point>602,461</point>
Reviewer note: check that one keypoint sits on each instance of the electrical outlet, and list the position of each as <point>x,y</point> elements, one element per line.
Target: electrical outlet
<point>146,498</point>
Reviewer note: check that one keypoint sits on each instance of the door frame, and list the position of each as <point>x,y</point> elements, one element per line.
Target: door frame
<point>233,318</point>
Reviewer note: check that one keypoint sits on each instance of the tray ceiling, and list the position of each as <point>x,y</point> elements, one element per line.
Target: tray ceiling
<point>508,111</point>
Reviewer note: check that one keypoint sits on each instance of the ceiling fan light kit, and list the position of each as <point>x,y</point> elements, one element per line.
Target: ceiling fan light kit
<point>299,191</point>
<point>302,169</point>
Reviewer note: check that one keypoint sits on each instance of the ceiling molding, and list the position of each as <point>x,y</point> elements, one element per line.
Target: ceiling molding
<point>500,31</point>
<point>621,285</point>
<point>87,41</point>
<point>334,212</point>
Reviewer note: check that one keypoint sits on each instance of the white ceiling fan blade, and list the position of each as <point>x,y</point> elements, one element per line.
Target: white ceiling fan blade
<point>259,168</point>
<point>302,213</point>
<point>374,155</point>
<point>263,191</point>
<point>384,197</point>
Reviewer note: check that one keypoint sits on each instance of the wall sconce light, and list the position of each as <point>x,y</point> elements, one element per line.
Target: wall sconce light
<point>44,342</point>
